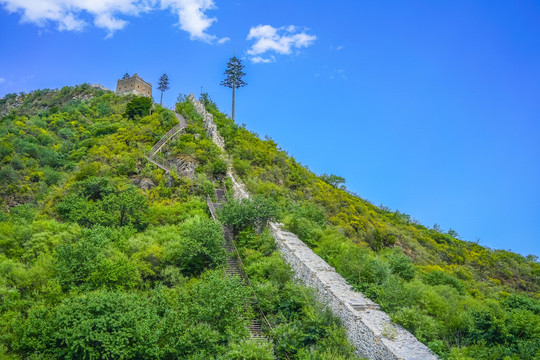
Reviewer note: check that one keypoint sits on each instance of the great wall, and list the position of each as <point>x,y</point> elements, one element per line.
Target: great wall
<point>369,329</point>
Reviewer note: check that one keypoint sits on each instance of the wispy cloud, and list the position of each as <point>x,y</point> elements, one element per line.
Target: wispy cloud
<point>270,40</point>
<point>70,15</point>
<point>340,47</point>
<point>338,74</point>
<point>223,40</point>
<point>2,80</point>
<point>260,59</point>
<point>326,72</point>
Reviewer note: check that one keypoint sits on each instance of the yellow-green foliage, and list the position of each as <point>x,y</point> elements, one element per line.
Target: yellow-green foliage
<point>450,293</point>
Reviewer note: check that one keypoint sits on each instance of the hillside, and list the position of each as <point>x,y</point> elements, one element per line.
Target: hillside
<point>461,299</point>
<point>92,266</point>
<point>103,254</point>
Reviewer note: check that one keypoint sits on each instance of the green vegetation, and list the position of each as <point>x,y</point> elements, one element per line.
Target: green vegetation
<point>92,266</point>
<point>301,327</point>
<point>463,300</point>
<point>139,106</point>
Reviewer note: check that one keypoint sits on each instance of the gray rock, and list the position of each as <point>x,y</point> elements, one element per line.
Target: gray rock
<point>184,167</point>
<point>145,184</point>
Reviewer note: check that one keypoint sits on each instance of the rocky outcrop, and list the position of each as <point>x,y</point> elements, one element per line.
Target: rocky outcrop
<point>9,104</point>
<point>184,167</point>
<point>143,183</point>
<point>100,87</point>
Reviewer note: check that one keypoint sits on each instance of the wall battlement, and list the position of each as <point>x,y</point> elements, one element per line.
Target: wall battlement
<point>369,329</point>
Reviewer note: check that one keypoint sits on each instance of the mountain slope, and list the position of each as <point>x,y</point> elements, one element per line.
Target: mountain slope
<point>102,255</point>
<point>461,299</point>
<point>78,237</point>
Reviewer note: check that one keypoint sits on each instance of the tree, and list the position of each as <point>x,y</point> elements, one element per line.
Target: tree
<point>126,208</point>
<point>234,77</point>
<point>126,76</point>
<point>254,212</point>
<point>163,85</point>
<point>453,233</point>
<point>139,106</point>
<point>333,180</point>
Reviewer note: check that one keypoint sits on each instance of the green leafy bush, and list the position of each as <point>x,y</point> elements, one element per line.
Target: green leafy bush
<point>138,107</point>
<point>438,277</point>
<point>402,266</point>
<point>199,246</point>
<point>255,212</point>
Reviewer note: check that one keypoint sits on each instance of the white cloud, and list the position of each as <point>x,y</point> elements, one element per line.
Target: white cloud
<point>260,59</point>
<point>283,40</point>
<point>66,14</point>
<point>72,15</point>
<point>223,40</point>
<point>191,18</point>
<point>340,47</point>
<point>2,80</point>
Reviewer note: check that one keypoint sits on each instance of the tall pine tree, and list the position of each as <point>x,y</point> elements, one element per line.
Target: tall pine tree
<point>234,77</point>
<point>163,85</point>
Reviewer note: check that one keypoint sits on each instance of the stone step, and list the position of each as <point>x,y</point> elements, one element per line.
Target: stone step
<point>255,330</point>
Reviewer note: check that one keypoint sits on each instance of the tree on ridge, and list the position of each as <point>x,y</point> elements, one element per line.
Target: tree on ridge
<point>234,77</point>
<point>163,85</point>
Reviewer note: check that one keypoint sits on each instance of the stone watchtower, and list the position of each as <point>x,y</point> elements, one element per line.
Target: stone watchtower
<point>134,85</point>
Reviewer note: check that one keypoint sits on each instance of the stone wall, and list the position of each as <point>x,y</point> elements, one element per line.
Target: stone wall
<point>369,329</point>
<point>208,120</point>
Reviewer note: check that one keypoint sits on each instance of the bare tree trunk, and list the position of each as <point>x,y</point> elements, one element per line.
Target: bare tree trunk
<point>233,102</point>
<point>161,100</point>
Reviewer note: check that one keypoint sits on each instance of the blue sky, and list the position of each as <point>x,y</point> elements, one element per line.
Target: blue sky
<point>431,108</point>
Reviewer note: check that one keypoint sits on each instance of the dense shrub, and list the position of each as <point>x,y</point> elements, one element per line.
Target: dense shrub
<point>402,266</point>
<point>96,202</point>
<point>125,260</point>
<point>92,326</point>
<point>438,277</point>
<point>255,212</point>
<point>138,107</point>
<point>200,246</point>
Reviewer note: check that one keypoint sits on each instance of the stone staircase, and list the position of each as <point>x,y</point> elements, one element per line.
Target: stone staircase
<point>234,264</point>
<point>255,329</point>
